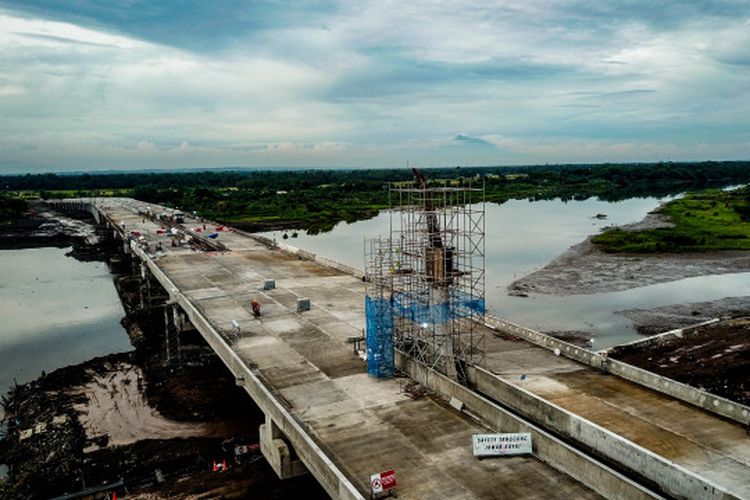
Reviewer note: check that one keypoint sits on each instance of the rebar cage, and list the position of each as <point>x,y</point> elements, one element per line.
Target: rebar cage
<point>426,281</point>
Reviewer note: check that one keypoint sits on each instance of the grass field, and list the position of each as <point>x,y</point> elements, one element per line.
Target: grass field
<point>705,221</point>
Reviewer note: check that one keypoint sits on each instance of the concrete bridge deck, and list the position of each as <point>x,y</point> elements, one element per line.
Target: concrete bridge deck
<point>364,425</point>
<point>707,445</point>
<point>361,424</point>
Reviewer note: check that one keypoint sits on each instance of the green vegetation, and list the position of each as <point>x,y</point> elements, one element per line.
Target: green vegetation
<point>7,490</point>
<point>11,207</point>
<point>705,221</point>
<point>317,199</point>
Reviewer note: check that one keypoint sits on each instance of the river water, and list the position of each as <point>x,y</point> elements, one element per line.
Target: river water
<point>54,311</point>
<point>523,236</point>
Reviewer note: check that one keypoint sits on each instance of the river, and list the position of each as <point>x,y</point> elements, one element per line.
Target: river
<point>523,236</point>
<point>56,311</point>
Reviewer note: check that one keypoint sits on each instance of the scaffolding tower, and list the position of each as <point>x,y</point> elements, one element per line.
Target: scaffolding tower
<point>426,281</point>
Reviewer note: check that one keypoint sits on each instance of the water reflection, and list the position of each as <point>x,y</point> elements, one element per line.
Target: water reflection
<point>593,313</point>
<point>523,236</point>
<point>55,311</point>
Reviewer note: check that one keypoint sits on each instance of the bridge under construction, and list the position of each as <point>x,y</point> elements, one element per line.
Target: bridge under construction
<point>599,428</point>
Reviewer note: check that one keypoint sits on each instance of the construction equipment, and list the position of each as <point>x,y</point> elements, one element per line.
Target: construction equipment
<point>426,280</point>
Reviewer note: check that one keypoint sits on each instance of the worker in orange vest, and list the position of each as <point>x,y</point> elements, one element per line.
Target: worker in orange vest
<point>256,308</point>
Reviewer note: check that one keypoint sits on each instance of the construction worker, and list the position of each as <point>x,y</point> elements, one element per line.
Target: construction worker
<point>256,307</point>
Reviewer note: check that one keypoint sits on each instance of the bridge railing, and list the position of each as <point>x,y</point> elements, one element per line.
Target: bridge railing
<point>317,462</point>
<point>314,458</point>
<point>684,392</point>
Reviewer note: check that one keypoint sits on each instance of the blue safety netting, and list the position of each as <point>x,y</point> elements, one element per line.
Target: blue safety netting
<point>379,314</point>
<point>459,305</point>
<point>379,320</point>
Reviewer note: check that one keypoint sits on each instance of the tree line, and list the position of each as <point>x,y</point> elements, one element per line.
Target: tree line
<point>316,199</point>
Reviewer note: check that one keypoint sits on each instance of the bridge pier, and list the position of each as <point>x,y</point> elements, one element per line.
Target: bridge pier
<point>144,286</point>
<point>278,452</point>
<point>172,330</point>
<point>151,295</point>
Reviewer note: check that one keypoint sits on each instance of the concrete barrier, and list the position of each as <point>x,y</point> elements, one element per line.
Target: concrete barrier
<point>661,337</point>
<point>689,394</point>
<point>654,469</point>
<point>317,462</point>
<point>559,455</point>
<point>76,205</point>
<point>304,254</point>
<point>697,397</point>
<point>542,340</point>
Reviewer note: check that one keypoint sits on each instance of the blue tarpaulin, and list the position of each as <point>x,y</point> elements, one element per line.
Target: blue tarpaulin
<point>460,305</point>
<point>379,314</point>
<point>379,319</point>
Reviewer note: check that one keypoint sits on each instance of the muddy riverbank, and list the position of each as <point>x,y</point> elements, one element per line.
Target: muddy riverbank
<point>97,424</point>
<point>662,319</point>
<point>584,269</point>
<point>714,357</point>
<point>42,227</point>
<point>134,423</point>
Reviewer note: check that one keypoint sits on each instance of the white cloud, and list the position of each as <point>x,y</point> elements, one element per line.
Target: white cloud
<point>22,31</point>
<point>146,147</point>
<point>379,83</point>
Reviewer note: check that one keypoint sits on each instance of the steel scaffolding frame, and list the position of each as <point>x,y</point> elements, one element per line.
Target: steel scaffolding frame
<point>430,273</point>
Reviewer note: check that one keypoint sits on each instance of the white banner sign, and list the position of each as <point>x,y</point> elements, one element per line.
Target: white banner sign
<point>487,445</point>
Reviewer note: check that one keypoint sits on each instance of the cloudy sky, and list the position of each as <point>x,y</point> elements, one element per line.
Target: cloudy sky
<point>102,84</point>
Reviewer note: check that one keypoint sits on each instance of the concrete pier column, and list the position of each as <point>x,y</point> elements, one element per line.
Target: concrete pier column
<point>167,356</point>
<point>134,264</point>
<point>178,319</point>
<point>172,330</point>
<point>278,453</point>
<point>144,286</point>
